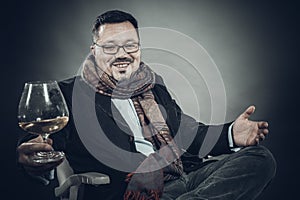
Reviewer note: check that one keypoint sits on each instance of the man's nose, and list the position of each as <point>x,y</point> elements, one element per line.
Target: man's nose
<point>121,52</point>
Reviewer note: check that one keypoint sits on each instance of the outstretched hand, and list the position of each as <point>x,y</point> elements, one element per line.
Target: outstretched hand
<point>247,132</point>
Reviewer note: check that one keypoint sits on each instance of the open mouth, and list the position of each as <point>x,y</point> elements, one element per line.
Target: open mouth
<point>121,65</point>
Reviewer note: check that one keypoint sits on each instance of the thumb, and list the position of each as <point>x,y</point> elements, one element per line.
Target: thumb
<point>38,139</point>
<point>250,110</point>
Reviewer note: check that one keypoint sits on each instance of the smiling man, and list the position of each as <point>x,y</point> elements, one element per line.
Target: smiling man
<point>116,49</point>
<point>129,98</point>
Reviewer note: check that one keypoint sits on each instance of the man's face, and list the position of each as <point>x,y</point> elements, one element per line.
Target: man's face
<point>122,64</point>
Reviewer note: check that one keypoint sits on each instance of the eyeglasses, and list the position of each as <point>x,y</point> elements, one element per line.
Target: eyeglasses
<point>113,49</point>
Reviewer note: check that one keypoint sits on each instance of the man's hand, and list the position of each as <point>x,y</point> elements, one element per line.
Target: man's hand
<point>247,132</point>
<point>26,149</point>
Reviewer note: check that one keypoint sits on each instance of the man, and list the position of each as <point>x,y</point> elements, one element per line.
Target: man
<point>157,154</point>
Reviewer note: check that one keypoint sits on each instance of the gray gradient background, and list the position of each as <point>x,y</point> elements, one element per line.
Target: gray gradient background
<point>253,43</point>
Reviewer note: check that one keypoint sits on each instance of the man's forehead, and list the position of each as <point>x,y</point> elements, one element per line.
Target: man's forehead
<point>115,31</point>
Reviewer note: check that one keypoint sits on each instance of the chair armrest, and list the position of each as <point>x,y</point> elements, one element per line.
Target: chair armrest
<point>91,178</point>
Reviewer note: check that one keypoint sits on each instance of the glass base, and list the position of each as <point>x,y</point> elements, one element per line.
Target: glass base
<point>47,157</point>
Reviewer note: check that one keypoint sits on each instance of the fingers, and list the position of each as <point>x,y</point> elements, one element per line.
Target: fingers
<point>263,124</point>
<point>259,133</point>
<point>39,139</point>
<point>262,136</point>
<point>263,128</point>
<point>30,147</point>
<point>259,137</point>
<point>257,140</point>
<point>27,149</point>
<point>250,110</point>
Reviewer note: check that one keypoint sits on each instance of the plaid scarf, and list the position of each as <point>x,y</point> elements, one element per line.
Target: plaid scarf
<point>154,127</point>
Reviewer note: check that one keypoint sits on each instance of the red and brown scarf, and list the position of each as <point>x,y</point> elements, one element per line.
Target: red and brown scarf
<point>141,185</point>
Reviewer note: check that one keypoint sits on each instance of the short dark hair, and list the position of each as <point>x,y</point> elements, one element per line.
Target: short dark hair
<point>113,16</point>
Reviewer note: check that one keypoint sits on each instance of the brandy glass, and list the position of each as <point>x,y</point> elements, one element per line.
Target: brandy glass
<point>43,111</point>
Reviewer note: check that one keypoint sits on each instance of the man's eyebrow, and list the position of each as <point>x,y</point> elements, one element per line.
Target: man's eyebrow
<point>114,42</point>
<point>109,41</point>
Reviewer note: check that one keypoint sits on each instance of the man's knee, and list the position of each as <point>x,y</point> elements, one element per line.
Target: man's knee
<point>262,159</point>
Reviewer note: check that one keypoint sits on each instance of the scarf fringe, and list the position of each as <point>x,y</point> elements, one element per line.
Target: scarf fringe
<point>136,195</point>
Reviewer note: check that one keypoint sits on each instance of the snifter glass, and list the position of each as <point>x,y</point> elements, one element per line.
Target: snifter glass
<point>42,111</point>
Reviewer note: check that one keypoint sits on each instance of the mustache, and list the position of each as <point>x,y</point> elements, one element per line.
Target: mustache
<point>117,60</point>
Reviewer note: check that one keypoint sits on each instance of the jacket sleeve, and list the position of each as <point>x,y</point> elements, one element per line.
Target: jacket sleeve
<point>200,139</point>
<point>190,135</point>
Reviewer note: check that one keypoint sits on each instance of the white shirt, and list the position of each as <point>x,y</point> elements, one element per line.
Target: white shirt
<point>127,110</point>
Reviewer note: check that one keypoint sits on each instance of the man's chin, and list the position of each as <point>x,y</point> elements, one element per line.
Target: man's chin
<point>122,75</point>
<point>119,76</point>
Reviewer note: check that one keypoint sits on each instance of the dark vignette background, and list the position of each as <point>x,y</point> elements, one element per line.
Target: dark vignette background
<point>255,44</point>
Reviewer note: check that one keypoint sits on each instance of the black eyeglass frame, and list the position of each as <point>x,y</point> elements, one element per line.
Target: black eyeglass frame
<point>119,46</point>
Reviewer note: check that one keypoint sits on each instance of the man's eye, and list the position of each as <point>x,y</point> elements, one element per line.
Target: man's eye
<point>130,46</point>
<point>109,47</point>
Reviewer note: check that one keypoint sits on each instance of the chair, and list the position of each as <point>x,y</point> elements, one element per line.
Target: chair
<point>71,185</point>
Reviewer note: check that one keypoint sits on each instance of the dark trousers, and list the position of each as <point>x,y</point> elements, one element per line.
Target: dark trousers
<point>241,175</point>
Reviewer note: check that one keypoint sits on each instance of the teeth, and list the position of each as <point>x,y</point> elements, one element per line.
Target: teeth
<point>121,65</point>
